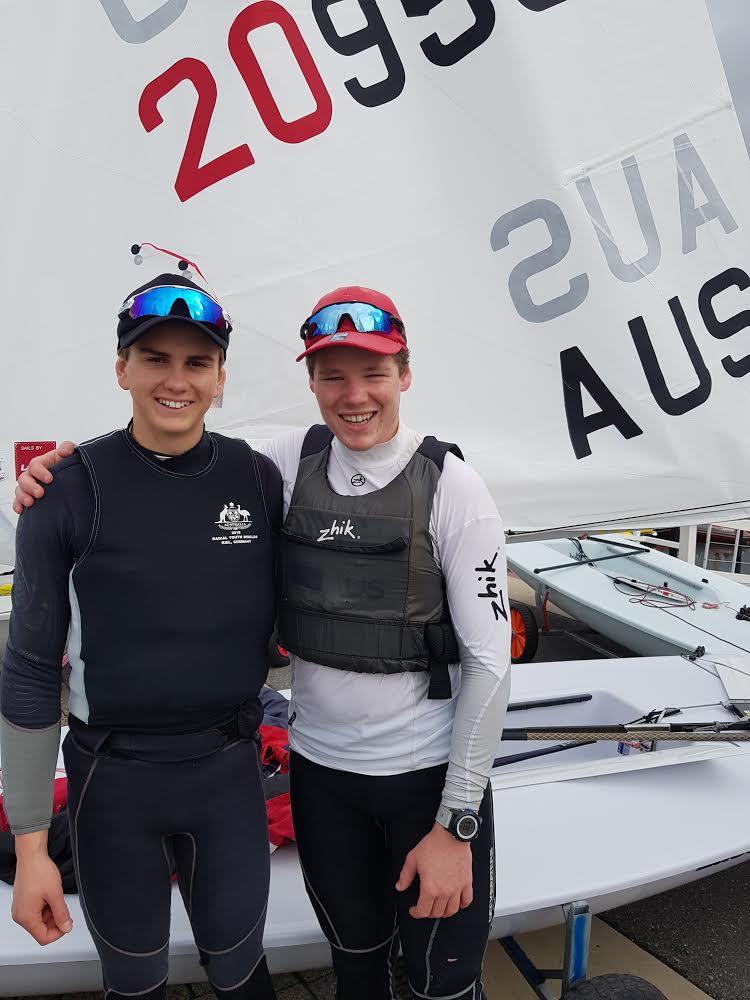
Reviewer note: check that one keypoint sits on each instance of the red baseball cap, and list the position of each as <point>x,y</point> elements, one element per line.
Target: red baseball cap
<point>347,334</point>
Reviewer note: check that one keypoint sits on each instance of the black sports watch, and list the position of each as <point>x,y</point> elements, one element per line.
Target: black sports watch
<point>464,824</point>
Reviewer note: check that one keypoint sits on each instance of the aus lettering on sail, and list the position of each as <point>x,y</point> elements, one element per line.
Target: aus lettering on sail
<point>699,203</point>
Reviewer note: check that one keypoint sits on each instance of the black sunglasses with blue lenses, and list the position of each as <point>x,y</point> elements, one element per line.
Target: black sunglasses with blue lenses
<point>366,319</point>
<point>160,301</point>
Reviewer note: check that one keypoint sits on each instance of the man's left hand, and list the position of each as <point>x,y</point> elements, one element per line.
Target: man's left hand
<point>445,878</point>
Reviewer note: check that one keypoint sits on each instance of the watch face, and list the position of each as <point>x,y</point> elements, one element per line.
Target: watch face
<point>467,827</point>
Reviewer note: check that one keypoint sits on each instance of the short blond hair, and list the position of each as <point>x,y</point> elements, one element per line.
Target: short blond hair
<point>401,359</point>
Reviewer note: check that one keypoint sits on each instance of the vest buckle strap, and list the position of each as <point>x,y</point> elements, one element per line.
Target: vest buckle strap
<point>442,650</point>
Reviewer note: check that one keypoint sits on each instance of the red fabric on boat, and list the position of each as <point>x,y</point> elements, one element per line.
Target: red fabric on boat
<point>274,747</point>
<point>60,795</point>
<point>274,756</point>
<point>59,798</point>
<point>280,827</point>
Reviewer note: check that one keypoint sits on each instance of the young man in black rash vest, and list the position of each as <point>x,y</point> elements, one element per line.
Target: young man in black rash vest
<point>156,546</point>
<point>392,598</point>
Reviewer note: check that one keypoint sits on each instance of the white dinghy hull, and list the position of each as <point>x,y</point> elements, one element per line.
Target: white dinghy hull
<point>701,612</point>
<point>585,824</point>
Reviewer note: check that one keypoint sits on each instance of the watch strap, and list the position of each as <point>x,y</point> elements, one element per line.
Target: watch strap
<point>450,818</point>
<point>444,816</point>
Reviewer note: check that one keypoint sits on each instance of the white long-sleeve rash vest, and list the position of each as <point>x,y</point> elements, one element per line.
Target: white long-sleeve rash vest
<point>385,723</point>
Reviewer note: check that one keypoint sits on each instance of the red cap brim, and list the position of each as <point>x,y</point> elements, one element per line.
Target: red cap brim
<point>378,343</point>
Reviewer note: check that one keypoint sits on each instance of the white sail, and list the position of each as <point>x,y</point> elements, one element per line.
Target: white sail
<point>555,192</point>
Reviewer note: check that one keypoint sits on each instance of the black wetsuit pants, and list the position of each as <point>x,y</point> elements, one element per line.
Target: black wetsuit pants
<point>136,815</point>
<point>353,833</point>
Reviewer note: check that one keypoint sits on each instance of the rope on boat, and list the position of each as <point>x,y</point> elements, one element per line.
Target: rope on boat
<point>631,733</point>
<point>654,596</point>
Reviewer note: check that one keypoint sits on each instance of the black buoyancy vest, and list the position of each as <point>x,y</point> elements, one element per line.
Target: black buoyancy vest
<point>359,587</point>
<point>172,603</point>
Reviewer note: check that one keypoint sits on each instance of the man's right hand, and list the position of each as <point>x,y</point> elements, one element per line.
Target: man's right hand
<point>38,901</point>
<point>28,487</point>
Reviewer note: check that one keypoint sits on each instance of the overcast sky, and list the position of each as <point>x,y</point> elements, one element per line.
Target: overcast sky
<point>731,19</point>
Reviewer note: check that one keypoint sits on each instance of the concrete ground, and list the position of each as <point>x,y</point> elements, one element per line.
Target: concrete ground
<point>691,942</point>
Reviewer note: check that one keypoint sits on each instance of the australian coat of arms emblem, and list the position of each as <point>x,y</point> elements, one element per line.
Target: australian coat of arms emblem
<point>234,516</point>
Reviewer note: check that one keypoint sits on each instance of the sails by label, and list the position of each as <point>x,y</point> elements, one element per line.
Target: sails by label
<point>555,192</point>
<point>698,202</point>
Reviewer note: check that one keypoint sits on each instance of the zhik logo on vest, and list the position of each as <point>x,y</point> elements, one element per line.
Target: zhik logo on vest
<point>346,528</point>
<point>234,520</point>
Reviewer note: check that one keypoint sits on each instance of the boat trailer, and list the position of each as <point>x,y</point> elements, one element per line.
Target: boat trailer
<point>573,974</point>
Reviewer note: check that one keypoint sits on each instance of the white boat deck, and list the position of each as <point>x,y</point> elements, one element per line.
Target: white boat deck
<point>701,611</point>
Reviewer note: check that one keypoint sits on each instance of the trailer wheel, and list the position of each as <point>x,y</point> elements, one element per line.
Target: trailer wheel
<point>524,636</point>
<point>614,987</point>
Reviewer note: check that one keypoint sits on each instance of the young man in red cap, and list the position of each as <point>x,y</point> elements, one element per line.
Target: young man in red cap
<point>161,759</point>
<point>392,600</point>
